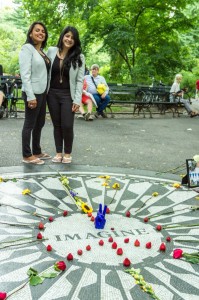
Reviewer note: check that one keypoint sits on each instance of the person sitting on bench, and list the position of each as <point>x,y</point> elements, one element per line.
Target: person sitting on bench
<point>176,95</point>
<point>101,96</point>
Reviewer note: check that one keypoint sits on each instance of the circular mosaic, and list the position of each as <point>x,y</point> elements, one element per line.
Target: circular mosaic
<point>97,270</point>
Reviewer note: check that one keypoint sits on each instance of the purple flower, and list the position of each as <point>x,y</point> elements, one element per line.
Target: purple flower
<point>73,194</point>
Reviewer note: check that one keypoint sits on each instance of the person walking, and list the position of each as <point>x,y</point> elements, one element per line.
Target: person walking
<point>176,95</point>
<point>98,87</point>
<point>34,67</point>
<point>65,91</point>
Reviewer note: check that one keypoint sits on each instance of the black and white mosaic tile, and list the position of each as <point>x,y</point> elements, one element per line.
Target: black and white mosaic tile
<point>98,273</point>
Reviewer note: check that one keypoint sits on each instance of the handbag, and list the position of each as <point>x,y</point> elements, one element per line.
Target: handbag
<point>101,87</point>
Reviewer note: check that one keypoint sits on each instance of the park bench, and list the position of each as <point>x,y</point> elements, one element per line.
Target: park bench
<point>143,99</point>
<point>11,86</point>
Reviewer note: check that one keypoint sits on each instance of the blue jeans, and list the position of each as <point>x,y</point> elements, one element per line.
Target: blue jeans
<point>184,101</point>
<point>101,103</point>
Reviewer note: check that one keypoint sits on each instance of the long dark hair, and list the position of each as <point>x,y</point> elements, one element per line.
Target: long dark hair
<point>73,55</point>
<point>29,39</point>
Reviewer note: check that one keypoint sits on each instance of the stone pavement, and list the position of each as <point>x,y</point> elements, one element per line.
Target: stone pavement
<point>130,151</point>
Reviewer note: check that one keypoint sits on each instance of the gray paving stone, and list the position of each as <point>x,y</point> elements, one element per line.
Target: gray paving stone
<point>99,273</point>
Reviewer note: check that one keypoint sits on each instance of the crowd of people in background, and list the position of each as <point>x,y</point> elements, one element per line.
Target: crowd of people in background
<point>60,80</point>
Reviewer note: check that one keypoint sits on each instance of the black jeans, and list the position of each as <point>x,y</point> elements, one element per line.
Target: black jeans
<point>33,124</point>
<point>60,108</point>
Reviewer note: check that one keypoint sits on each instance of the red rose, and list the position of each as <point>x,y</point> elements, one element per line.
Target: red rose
<point>88,248</point>
<point>3,296</point>
<point>50,219</point>
<point>128,214</point>
<point>49,248</point>
<point>101,242</point>
<point>146,219</point>
<point>177,253</point>
<point>137,243</point>
<point>126,262</point>
<point>162,247</point>
<point>148,245</point>
<point>168,239</point>
<point>108,210</point>
<point>69,256</point>
<point>92,219</point>
<point>79,252</point>
<point>39,236</point>
<point>89,215</point>
<point>126,240</point>
<point>110,239</point>
<point>60,266</point>
<point>41,226</point>
<point>114,245</point>
<point>119,251</point>
<point>65,213</point>
<point>159,227</point>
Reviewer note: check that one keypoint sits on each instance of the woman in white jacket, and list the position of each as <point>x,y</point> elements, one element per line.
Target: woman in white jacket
<point>65,90</point>
<point>34,69</point>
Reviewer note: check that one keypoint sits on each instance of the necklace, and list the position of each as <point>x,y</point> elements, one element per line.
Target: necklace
<point>61,71</point>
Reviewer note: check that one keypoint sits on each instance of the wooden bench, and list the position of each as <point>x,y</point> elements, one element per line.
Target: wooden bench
<point>143,99</point>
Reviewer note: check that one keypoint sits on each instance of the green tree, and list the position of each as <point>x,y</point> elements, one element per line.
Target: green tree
<point>142,38</point>
<point>11,40</point>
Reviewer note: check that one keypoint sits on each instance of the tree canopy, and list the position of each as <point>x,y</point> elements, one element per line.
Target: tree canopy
<point>133,40</point>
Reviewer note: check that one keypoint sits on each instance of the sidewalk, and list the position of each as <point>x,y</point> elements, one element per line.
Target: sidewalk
<point>157,144</point>
<point>126,151</point>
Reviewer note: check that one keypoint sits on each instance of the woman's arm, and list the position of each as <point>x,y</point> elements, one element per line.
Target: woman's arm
<point>25,64</point>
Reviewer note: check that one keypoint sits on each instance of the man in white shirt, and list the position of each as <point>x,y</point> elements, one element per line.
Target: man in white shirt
<point>93,81</point>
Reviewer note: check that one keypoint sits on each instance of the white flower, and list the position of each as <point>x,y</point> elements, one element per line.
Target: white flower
<point>196,158</point>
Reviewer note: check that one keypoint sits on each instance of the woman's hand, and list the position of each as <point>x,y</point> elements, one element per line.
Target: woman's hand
<point>75,107</point>
<point>32,103</point>
<point>103,95</point>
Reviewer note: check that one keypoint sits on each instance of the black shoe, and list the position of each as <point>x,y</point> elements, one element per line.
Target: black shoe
<point>87,116</point>
<point>193,114</point>
<point>1,111</point>
<point>103,115</point>
<point>97,115</point>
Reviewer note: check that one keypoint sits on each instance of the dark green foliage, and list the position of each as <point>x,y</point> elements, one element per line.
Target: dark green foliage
<point>132,40</point>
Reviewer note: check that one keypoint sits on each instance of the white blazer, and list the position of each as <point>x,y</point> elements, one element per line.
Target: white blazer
<point>33,71</point>
<point>76,76</point>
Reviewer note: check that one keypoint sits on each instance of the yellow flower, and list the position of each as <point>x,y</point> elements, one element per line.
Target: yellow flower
<point>155,194</point>
<point>64,180</point>
<point>176,185</point>
<point>182,175</point>
<point>105,183</point>
<point>26,192</point>
<point>116,186</point>
<point>86,209</point>
<point>105,177</point>
<point>1,179</point>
